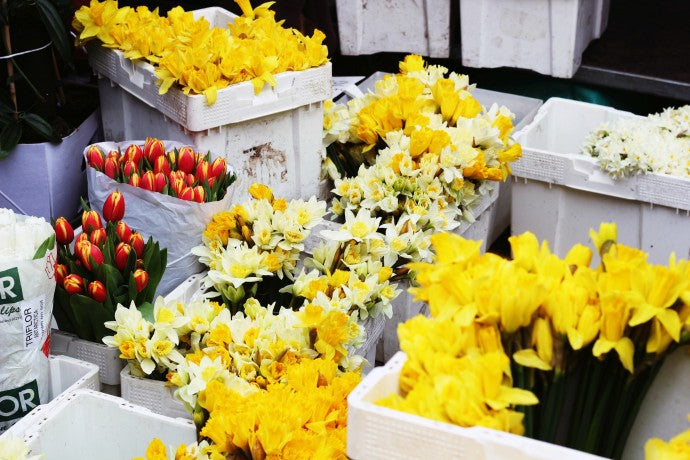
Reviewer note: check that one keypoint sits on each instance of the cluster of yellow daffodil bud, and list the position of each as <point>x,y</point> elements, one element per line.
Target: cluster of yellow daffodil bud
<point>678,448</point>
<point>417,152</point>
<point>551,326</point>
<point>199,58</point>
<point>311,422</point>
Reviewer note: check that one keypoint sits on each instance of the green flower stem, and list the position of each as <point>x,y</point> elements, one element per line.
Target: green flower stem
<point>615,376</point>
<point>591,392</point>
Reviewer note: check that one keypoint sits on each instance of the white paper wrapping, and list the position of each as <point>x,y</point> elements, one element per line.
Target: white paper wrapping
<point>26,305</point>
<point>176,224</point>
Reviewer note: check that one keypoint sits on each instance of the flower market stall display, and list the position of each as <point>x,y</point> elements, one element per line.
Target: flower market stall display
<point>109,265</point>
<point>166,185</point>
<point>584,343</point>
<point>242,86</point>
<point>560,193</point>
<point>27,256</point>
<point>421,154</point>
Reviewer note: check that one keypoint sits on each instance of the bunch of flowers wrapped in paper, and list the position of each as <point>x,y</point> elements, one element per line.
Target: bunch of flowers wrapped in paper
<point>254,250</point>
<point>417,152</point>
<point>109,265</point>
<point>202,59</point>
<point>586,342</point>
<point>659,143</point>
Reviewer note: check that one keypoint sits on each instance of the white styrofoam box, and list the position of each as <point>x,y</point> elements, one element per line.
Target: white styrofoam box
<point>524,108</point>
<point>66,375</point>
<point>154,395</point>
<point>559,193</point>
<point>45,179</point>
<point>405,26</point>
<point>106,358</point>
<point>375,432</point>
<point>273,137</point>
<point>664,410</point>
<point>404,306</point>
<point>548,36</point>
<point>86,424</point>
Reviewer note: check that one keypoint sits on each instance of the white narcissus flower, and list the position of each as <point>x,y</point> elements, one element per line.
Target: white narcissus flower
<point>360,227</point>
<point>129,324</point>
<point>15,449</point>
<point>238,264</point>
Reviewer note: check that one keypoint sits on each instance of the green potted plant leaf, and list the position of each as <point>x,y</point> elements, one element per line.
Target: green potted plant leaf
<point>43,124</point>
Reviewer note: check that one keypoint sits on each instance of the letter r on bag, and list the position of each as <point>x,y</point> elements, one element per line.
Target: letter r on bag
<point>10,286</point>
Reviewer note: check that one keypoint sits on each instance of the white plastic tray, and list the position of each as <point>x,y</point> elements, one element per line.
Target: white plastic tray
<point>375,432</point>
<point>86,425</point>
<point>154,395</point>
<point>559,193</point>
<point>105,357</point>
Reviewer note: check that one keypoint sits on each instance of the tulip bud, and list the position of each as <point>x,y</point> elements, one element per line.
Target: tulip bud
<point>219,168</point>
<point>202,171</point>
<point>114,154</point>
<point>64,233</point>
<point>189,180</point>
<point>114,207</point>
<point>161,165</point>
<point>134,180</point>
<point>186,193</point>
<point>95,157</point>
<point>186,160</point>
<point>111,167</point>
<point>134,154</point>
<point>177,185</point>
<point>61,272</point>
<point>81,238</point>
<point>176,175</point>
<point>148,181</point>
<point>201,157</point>
<point>129,168</point>
<point>140,263</point>
<point>90,221</point>
<point>137,242</point>
<point>153,148</point>
<point>211,181</point>
<point>172,159</point>
<point>122,251</point>
<point>160,181</point>
<point>141,278</point>
<point>97,291</point>
<point>199,194</point>
<point>73,284</point>
<point>87,251</point>
<point>98,236</point>
<point>123,231</point>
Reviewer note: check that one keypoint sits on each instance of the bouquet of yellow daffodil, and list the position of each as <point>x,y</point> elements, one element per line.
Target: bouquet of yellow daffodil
<point>311,422</point>
<point>417,153</point>
<point>254,250</point>
<point>587,342</point>
<point>193,344</point>
<point>199,58</point>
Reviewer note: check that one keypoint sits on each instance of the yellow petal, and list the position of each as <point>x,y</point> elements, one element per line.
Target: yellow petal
<point>626,353</point>
<point>529,358</point>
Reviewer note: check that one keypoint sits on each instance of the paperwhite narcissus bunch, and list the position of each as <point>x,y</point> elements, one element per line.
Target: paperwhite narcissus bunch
<point>20,238</point>
<point>659,143</point>
<point>417,152</point>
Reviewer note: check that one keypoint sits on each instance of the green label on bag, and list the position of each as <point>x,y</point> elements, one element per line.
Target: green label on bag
<point>10,286</point>
<point>18,402</point>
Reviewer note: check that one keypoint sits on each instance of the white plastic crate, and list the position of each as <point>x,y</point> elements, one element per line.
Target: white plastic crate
<point>106,358</point>
<point>375,432</point>
<point>548,36</point>
<point>85,425</point>
<point>559,193</point>
<point>404,306</point>
<point>405,26</point>
<point>273,137</point>
<point>154,395</point>
<point>47,179</point>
